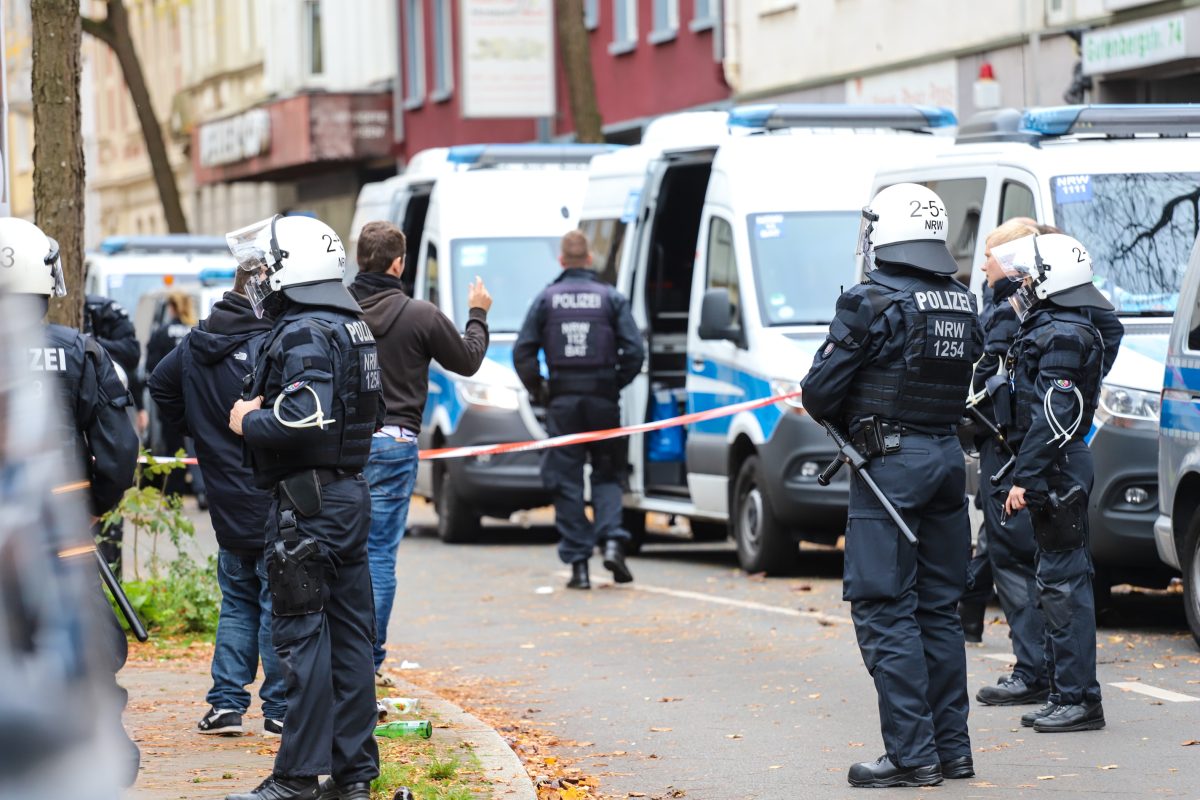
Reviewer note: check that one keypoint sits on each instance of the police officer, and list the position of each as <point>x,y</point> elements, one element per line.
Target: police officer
<point>108,323</point>
<point>593,350</point>
<point>315,404</point>
<point>895,372</point>
<point>94,428</point>
<point>1054,371</point>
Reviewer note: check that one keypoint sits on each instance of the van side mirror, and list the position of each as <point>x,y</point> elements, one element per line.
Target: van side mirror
<point>717,317</point>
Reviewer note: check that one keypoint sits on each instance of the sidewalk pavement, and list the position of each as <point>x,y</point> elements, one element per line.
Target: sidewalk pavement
<point>166,699</point>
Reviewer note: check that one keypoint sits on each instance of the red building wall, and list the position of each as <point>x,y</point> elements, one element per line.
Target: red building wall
<point>650,80</point>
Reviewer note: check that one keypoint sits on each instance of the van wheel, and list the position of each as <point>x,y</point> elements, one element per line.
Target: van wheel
<point>703,531</point>
<point>763,545</point>
<point>457,522</point>
<point>1190,561</point>
<point>634,521</point>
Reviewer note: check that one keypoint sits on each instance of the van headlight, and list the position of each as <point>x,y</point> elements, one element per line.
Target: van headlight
<point>489,395</point>
<point>781,387</point>
<point>1128,408</point>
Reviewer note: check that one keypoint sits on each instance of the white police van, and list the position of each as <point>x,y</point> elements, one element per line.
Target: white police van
<point>1124,180</point>
<point>1177,529</point>
<point>735,260</point>
<point>499,216</point>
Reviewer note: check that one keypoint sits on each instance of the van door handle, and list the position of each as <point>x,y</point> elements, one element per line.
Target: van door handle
<point>697,364</point>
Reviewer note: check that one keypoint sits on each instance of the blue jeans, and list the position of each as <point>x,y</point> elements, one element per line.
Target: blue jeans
<point>243,635</point>
<point>391,472</point>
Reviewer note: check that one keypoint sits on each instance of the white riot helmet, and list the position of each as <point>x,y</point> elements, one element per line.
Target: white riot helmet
<point>29,262</point>
<point>1058,268</point>
<point>300,257</point>
<point>907,224</point>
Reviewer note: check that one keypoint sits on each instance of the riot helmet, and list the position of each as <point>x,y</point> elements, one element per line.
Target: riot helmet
<point>1050,266</point>
<point>29,261</point>
<point>906,224</point>
<point>300,258</point>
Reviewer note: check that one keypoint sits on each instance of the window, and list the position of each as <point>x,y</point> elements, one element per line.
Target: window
<point>591,14</point>
<point>522,265</point>
<point>666,21</point>
<point>625,26</point>
<point>312,37</point>
<point>414,54</point>
<point>606,237</point>
<point>964,202</point>
<point>722,265</point>
<point>801,262</point>
<point>1193,338</point>
<point>443,53</point>
<point>703,18</point>
<point>431,274</point>
<point>1016,200</point>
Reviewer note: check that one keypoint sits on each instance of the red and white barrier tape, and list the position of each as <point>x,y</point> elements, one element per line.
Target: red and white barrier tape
<point>575,438</point>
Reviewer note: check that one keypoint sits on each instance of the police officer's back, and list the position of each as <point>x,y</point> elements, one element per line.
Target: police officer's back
<point>1055,367</point>
<point>593,350</point>
<point>316,403</point>
<point>895,371</point>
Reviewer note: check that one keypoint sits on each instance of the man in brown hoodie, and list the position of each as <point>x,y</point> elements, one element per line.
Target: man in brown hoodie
<point>409,334</point>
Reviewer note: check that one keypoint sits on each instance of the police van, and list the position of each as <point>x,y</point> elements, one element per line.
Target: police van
<point>1124,181</point>
<point>499,216</point>
<point>1177,529</point>
<point>734,261</point>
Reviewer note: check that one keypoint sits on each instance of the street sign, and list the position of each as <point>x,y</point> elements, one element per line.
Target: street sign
<point>508,58</point>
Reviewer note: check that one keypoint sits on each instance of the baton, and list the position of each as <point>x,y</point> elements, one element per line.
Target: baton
<point>110,580</point>
<point>848,455</point>
<point>982,419</point>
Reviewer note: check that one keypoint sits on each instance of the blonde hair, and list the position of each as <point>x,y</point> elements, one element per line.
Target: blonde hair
<point>1013,229</point>
<point>185,307</point>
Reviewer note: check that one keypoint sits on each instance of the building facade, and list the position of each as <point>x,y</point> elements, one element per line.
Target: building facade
<point>968,56</point>
<point>649,57</point>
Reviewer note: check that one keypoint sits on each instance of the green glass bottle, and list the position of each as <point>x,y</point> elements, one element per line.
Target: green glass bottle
<point>405,727</point>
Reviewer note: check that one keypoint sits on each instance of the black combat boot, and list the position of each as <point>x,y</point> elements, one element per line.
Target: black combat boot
<point>1075,717</point>
<point>278,788</point>
<point>1030,717</point>
<point>956,768</point>
<point>579,575</point>
<point>614,561</point>
<point>971,615</point>
<point>1012,691</point>
<point>882,773</point>
<point>331,790</point>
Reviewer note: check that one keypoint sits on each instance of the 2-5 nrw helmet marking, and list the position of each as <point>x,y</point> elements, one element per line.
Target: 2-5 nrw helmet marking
<point>909,226</point>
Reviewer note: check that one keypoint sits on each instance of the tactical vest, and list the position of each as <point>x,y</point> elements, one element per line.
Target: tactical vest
<point>578,331</point>
<point>928,384</point>
<point>1028,352</point>
<point>357,381</point>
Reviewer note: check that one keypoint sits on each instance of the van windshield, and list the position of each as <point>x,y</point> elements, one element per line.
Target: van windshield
<point>1138,228</point>
<point>513,269</point>
<point>802,260</point>
<point>128,289</point>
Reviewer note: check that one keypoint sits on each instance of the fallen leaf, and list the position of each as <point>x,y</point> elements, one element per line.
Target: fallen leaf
<point>669,699</point>
<point>775,766</point>
<point>1110,766</point>
<point>814,696</point>
<point>528,646</point>
<point>738,736</point>
<point>1159,666</point>
<point>636,794</point>
<point>660,730</point>
<point>855,744</point>
<point>1191,742</point>
<point>1045,777</point>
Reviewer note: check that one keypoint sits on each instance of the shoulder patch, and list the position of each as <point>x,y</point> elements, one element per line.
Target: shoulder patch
<point>1064,385</point>
<point>294,387</point>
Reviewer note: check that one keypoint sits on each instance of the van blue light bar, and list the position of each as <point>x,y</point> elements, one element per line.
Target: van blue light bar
<point>1164,119</point>
<point>213,276</point>
<point>775,116</point>
<point>489,155</point>
<point>170,243</point>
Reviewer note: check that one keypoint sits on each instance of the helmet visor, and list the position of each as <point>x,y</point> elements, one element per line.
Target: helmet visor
<point>1022,301</point>
<point>1017,258</point>
<point>865,226</point>
<point>59,288</point>
<point>258,289</point>
<point>252,245</point>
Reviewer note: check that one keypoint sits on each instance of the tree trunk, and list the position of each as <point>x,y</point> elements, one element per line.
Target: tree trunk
<point>58,168</point>
<point>114,31</point>
<point>577,64</point>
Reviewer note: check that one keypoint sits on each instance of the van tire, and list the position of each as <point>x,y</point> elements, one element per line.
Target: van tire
<point>1189,560</point>
<point>763,544</point>
<point>634,521</point>
<point>705,531</point>
<point>457,522</point>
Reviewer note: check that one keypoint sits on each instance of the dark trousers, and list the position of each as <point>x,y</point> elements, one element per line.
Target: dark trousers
<point>979,572</point>
<point>1064,583</point>
<point>1011,550</point>
<point>326,656</point>
<point>904,598</point>
<point>562,474</point>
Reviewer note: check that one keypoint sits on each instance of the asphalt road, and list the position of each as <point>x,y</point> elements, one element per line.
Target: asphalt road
<point>701,679</point>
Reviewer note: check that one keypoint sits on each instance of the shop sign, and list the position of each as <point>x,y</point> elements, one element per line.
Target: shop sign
<point>1138,44</point>
<point>235,139</point>
<point>508,58</point>
<point>933,84</point>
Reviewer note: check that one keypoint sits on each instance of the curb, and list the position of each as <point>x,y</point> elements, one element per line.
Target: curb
<point>500,764</point>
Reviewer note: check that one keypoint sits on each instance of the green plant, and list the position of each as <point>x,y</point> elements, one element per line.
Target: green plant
<point>151,510</point>
<point>439,770</point>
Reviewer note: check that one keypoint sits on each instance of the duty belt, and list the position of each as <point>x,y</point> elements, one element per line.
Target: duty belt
<point>875,437</point>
